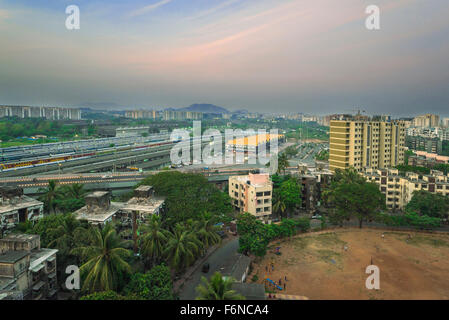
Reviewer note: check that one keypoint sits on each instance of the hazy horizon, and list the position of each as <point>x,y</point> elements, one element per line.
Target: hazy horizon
<point>268,56</point>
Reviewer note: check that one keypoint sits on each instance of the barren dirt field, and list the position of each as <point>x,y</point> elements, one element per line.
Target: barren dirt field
<point>317,265</point>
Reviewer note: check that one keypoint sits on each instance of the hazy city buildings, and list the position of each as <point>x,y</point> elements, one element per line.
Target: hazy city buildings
<point>252,194</point>
<point>141,114</point>
<point>364,143</point>
<point>426,120</point>
<point>182,115</point>
<point>50,113</point>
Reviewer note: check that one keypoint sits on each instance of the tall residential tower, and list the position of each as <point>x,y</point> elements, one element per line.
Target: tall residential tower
<point>366,144</point>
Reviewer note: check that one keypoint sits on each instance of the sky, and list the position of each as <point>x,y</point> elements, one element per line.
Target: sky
<point>271,56</point>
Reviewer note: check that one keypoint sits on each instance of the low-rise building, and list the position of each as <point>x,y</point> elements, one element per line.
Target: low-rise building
<point>100,210</point>
<point>313,180</point>
<point>27,271</point>
<point>398,189</point>
<point>252,194</point>
<point>15,207</point>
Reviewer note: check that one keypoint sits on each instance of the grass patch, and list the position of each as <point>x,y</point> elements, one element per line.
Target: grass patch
<point>433,242</point>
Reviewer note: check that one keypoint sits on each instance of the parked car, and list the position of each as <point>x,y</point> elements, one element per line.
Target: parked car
<point>206,267</point>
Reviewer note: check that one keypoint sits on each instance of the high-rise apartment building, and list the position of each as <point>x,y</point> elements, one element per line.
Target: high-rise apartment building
<point>364,143</point>
<point>51,113</point>
<point>141,114</point>
<point>427,120</point>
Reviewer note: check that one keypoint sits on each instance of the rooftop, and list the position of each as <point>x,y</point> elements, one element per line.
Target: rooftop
<point>251,291</point>
<point>12,256</point>
<point>143,205</point>
<point>41,255</point>
<point>98,215</point>
<point>97,194</point>
<point>254,140</point>
<point>18,203</point>
<point>235,266</point>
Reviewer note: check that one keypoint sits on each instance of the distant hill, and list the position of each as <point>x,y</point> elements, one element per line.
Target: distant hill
<point>204,108</point>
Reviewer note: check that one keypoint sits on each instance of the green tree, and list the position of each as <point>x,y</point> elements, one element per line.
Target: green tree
<point>188,196</point>
<point>290,193</point>
<point>104,295</point>
<point>153,285</point>
<point>430,204</point>
<point>50,196</point>
<point>352,196</point>
<point>153,240</point>
<point>282,163</point>
<point>207,231</point>
<point>279,206</point>
<point>217,288</point>
<point>182,248</point>
<point>105,260</point>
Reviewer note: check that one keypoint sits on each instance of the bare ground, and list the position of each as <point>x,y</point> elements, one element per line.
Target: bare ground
<point>318,267</point>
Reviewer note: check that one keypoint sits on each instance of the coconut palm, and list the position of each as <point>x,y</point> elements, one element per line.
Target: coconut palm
<point>279,205</point>
<point>75,190</point>
<point>217,288</point>
<point>182,248</point>
<point>282,163</point>
<point>50,195</point>
<point>154,239</point>
<point>105,259</point>
<point>207,232</point>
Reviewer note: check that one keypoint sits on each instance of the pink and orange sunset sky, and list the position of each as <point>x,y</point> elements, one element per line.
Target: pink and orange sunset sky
<point>261,55</point>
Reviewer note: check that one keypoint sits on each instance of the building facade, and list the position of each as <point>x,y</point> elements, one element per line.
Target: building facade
<point>398,190</point>
<point>182,115</point>
<point>15,208</point>
<point>50,113</point>
<point>430,145</point>
<point>426,120</point>
<point>141,114</point>
<point>27,271</point>
<point>361,144</point>
<point>252,194</point>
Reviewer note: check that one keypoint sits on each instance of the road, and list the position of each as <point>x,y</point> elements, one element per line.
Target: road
<point>306,153</point>
<point>216,261</point>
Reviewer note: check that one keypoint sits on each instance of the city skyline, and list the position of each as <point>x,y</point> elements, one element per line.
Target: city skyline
<point>294,56</point>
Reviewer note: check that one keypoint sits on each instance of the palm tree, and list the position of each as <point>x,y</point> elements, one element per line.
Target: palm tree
<point>154,239</point>
<point>50,195</point>
<point>279,205</point>
<point>207,232</point>
<point>76,190</point>
<point>66,234</point>
<point>182,248</point>
<point>217,288</point>
<point>105,259</point>
<point>282,163</point>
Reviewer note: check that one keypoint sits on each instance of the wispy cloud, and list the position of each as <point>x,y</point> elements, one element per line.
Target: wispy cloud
<point>149,8</point>
<point>210,11</point>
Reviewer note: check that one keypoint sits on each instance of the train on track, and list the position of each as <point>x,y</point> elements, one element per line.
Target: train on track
<point>7,166</point>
